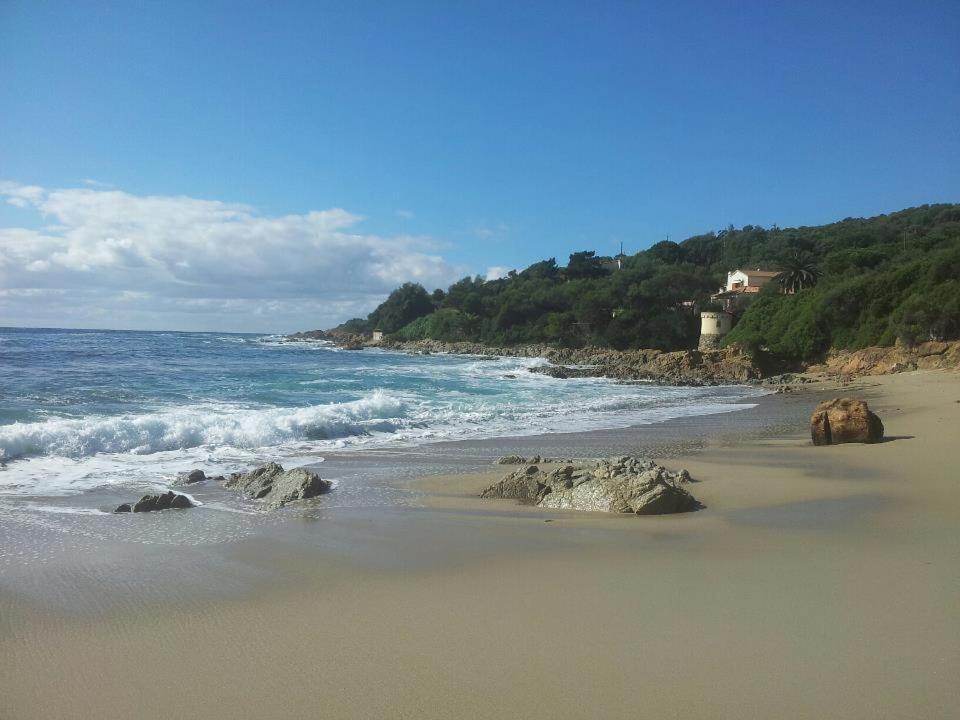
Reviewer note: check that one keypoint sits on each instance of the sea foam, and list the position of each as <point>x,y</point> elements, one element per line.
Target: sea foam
<point>199,425</point>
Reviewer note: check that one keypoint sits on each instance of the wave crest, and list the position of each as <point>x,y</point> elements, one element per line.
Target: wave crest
<point>199,425</point>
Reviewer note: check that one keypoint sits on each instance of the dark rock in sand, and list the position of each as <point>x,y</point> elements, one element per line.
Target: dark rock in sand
<point>845,420</point>
<point>152,503</point>
<point>276,486</point>
<point>622,484</point>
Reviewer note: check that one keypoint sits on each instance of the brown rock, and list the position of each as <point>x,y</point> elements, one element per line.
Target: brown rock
<point>844,420</point>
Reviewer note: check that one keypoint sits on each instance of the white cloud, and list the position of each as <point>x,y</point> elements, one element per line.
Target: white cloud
<point>406,214</point>
<point>495,272</point>
<point>109,258</point>
<point>20,196</point>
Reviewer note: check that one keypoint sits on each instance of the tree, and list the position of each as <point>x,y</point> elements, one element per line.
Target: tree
<point>799,271</point>
<point>584,264</point>
<point>404,305</point>
<point>545,269</point>
<point>666,251</point>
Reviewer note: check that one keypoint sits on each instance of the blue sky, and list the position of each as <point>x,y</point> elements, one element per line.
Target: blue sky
<point>465,135</point>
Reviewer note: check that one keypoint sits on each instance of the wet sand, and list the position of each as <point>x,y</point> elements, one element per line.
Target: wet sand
<point>818,582</point>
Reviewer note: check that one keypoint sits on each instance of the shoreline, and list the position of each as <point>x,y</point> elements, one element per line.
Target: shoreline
<point>816,582</point>
<point>679,367</point>
<point>683,367</point>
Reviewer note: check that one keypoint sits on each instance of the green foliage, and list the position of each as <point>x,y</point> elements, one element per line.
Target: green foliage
<point>857,282</point>
<point>799,271</point>
<point>584,264</point>
<point>404,305</point>
<point>446,324</point>
<point>893,277</point>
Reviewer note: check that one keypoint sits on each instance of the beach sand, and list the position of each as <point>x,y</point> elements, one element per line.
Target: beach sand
<point>816,583</point>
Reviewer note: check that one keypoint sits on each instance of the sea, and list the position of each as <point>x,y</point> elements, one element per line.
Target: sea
<point>91,418</point>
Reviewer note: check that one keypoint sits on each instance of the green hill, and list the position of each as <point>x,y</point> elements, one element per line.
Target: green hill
<point>861,282</point>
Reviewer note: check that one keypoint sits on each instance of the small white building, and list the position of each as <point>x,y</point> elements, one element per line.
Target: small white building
<point>713,326</point>
<point>377,336</point>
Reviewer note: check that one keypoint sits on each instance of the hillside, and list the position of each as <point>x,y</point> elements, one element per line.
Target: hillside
<point>863,282</point>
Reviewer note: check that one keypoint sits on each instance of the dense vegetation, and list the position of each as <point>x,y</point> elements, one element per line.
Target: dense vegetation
<point>854,283</point>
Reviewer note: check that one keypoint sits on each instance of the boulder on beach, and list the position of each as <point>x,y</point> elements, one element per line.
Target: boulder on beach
<point>621,485</point>
<point>152,503</point>
<point>525,485</point>
<point>275,486</point>
<point>845,420</point>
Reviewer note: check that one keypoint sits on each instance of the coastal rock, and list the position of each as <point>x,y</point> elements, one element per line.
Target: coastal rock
<point>683,367</point>
<point>152,503</point>
<point>276,487</point>
<point>898,358</point>
<point>622,485</point>
<point>535,460</point>
<point>194,476</point>
<point>845,420</point>
<point>564,372</point>
<point>525,484</point>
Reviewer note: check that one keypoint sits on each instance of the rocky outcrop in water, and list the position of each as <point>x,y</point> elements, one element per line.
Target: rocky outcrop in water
<point>845,420</point>
<point>348,341</point>
<point>684,367</point>
<point>152,503</point>
<point>276,487</point>
<point>619,485</point>
<point>189,478</point>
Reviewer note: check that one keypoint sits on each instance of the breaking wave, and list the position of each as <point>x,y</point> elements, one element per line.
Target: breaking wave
<point>200,425</point>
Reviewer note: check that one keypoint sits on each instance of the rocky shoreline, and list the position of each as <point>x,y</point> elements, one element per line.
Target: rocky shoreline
<point>684,367</point>
<point>725,366</point>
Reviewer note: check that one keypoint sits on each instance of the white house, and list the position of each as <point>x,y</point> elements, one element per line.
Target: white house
<point>749,280</point>
<point>741,286</point>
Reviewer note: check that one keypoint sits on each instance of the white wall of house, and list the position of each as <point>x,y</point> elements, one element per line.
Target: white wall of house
<point>737,277</point>
<point>746,278</point>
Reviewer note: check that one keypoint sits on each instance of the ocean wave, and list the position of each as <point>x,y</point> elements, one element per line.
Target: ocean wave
<point>197,426</point>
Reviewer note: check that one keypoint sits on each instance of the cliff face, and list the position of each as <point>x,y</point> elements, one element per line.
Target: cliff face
<point>886,360</point>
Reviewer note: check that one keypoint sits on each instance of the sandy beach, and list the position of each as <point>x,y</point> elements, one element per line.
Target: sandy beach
<point>817,582</point>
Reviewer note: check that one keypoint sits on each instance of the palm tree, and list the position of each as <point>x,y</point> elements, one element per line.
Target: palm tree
<point>799,271</point>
